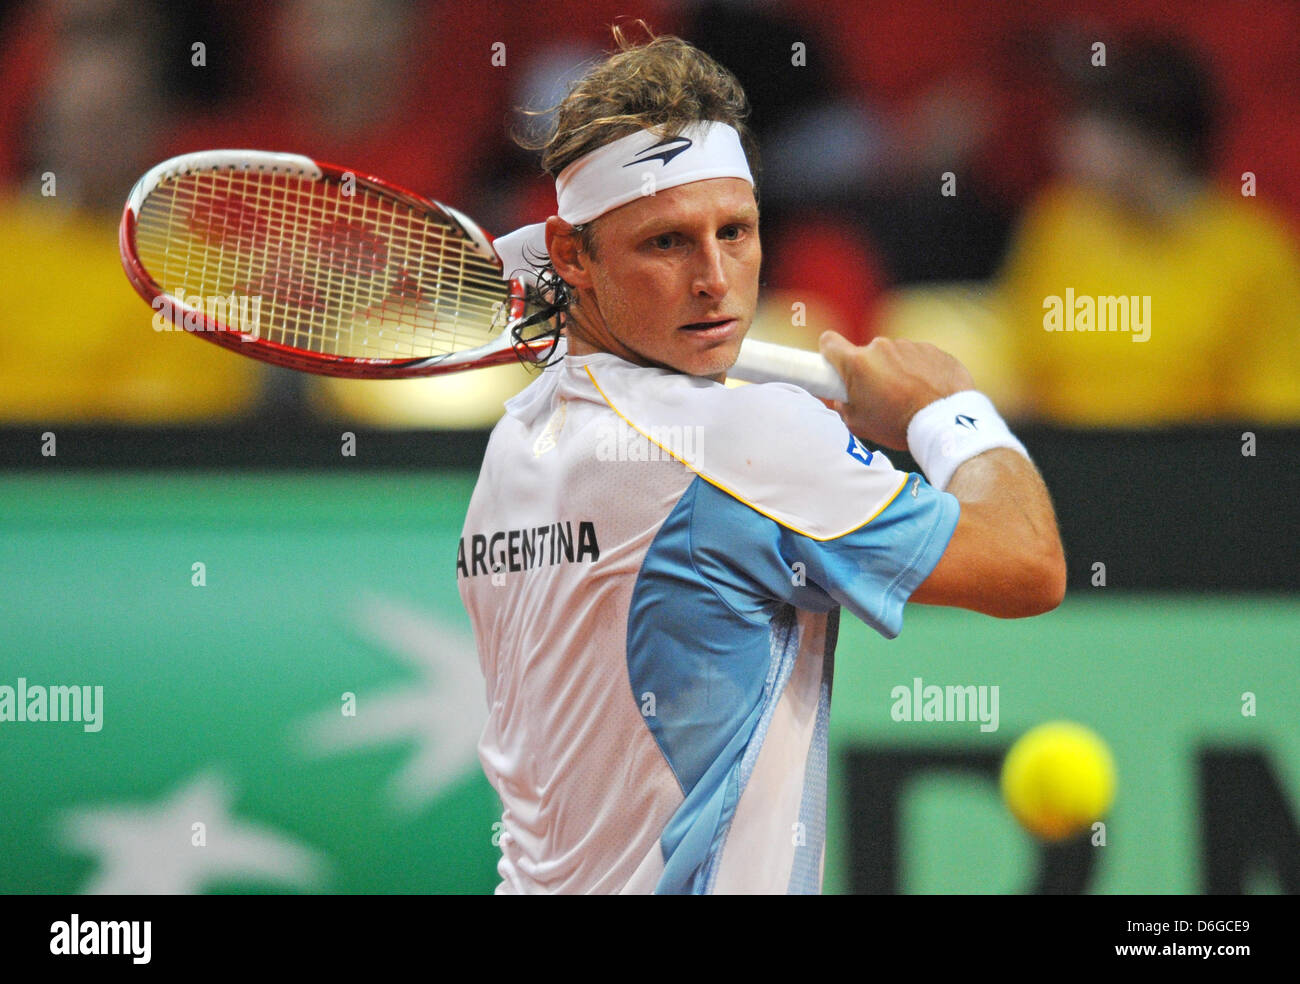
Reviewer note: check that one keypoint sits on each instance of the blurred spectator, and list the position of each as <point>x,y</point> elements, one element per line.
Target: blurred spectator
<point>78,341</point>
<point>1133,215</point>
<point>954,106</point>
<point>402,89</point>
<point>819,150</point>
<point>929,209</point>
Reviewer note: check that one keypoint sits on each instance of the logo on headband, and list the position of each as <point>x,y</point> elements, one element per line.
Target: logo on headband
<point>672,147</point>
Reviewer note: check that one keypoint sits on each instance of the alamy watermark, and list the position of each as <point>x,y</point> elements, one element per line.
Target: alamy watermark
<point>126,937</point>
<point>239,313</point>
<point>620,441</point>
<point>37,703</point>
<point>1084,312</point>
<point>930,702</point>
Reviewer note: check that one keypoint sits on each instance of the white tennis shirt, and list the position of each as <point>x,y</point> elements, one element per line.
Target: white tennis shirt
<point>654,565</point>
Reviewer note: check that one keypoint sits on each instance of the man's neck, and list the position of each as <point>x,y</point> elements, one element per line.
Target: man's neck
<point>588,335</point>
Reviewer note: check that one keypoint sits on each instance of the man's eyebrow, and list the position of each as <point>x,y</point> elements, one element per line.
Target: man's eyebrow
<point>746,213</point>
<point>666,223</point>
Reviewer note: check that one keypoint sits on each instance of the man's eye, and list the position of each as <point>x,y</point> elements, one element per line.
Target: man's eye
<point>666,241</point>
<point>729,232</point>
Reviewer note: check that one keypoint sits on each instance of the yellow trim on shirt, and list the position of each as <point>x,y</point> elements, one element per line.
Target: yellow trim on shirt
<point>731,492</point>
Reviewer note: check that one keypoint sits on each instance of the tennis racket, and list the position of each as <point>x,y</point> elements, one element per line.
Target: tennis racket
<point>307,265</point>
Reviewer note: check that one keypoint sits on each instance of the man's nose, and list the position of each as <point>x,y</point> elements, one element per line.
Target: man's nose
<point>710,276</point>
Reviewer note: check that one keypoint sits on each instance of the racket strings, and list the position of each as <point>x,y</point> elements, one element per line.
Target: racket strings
<point>360,275</point>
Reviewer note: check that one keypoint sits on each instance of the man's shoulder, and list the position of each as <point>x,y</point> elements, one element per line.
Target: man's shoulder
<point>666,392</point>
<point>733,418</point>
<point>770,446</point>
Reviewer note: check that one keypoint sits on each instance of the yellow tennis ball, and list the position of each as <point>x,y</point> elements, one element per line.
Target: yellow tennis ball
<point>1058,779</point>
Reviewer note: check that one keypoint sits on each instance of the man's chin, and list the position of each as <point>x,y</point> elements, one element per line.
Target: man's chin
<point>712,362</point>
<point>713,365</point>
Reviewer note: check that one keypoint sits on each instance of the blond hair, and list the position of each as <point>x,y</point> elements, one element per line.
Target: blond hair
<point>664,84</point>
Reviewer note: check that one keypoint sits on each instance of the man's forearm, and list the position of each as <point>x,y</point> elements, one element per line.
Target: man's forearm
<point>1005,557</point>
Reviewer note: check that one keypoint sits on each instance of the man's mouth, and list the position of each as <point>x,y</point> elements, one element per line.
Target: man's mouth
<point>706,325</point>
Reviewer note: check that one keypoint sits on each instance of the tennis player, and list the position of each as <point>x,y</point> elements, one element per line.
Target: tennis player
<point>654,563</point>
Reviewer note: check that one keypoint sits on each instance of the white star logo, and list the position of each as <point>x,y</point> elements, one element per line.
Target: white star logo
<point>442,714</point>
<point>150,850</point>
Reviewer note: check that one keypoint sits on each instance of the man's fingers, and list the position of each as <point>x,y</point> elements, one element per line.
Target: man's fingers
<point>835,349</point>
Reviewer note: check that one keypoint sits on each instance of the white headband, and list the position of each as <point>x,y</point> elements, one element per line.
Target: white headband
<point>622,171</point>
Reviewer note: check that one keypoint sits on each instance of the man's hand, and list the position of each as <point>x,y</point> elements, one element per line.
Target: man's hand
<point>1005,556</point>
<point>888,381</point>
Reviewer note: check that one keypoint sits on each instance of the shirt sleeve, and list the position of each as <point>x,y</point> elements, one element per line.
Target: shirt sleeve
<point>873,570</point>
<point>755,563</point>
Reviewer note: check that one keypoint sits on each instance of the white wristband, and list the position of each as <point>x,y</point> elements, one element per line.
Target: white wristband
<point>953,430</point>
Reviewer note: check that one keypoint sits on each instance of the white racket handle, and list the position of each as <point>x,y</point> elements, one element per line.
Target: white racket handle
<point>763,362</point>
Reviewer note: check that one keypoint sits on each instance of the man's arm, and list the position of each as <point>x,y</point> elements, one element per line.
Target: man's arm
<point>1005,557</point>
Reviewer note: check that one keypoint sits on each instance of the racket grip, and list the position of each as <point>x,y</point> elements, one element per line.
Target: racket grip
<point>763,362</point>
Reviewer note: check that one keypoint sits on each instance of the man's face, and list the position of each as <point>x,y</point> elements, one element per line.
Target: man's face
<point>674,277</point>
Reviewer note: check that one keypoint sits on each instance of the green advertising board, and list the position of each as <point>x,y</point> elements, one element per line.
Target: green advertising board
<point>291,701</point>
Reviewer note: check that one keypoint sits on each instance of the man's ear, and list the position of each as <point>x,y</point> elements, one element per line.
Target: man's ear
<point>566,254</point>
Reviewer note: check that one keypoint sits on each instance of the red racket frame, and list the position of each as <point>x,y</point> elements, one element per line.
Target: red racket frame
<point>319,362</point>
